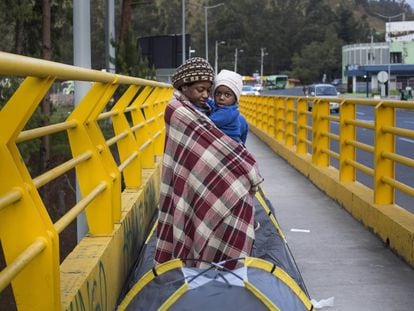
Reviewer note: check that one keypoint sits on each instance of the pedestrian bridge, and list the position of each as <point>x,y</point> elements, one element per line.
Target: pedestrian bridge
<point>116,138</point>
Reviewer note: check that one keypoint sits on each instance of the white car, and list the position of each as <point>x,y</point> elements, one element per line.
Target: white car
<point>248,90</point>
<point>323,90</point>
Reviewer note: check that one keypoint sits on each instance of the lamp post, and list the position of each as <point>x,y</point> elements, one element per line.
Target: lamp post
<point>236,51</point>
<point>206,25</point>
<point>389,43</point>
<point>183,49</point>
<point>216,56</point>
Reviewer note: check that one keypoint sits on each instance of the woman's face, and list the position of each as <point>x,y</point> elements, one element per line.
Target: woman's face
<point>198,92</point>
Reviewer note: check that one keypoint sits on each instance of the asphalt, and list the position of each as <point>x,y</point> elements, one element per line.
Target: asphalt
<point>337,256</point>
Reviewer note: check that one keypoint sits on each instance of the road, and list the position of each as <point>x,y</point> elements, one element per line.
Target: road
<point>404,146</point>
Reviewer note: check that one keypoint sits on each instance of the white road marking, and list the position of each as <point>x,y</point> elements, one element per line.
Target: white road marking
<point>361,113</point>
<point>407,140</point>
<point>300,230</point>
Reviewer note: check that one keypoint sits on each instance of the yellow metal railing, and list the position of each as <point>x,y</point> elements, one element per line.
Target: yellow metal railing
<point>29,238</point>
<point>287,120</point>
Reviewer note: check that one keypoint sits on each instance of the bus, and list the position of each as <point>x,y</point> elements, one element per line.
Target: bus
<point>275,82</point>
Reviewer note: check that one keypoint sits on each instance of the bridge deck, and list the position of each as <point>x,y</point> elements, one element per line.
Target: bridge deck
<point>337,256</point>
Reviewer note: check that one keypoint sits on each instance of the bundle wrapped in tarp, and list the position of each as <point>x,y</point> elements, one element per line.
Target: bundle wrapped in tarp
<point>268,280</point>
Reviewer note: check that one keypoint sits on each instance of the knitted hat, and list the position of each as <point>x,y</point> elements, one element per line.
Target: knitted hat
<point>193,70</point>
<point>231,79</point>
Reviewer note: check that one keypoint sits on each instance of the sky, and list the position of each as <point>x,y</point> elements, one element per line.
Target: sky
<point>411,3</point>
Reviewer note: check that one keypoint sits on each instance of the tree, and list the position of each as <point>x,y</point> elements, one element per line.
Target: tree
<point>318,58</point>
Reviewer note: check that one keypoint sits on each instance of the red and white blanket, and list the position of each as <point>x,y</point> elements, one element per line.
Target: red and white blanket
<point>207,188</point>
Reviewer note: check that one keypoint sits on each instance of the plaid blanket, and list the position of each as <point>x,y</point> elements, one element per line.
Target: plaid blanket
<point>207,187</point>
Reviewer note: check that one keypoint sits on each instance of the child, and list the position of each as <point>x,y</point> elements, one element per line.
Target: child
<point>225,113</point>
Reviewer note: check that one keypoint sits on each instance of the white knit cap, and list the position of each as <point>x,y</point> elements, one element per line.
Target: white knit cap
<point>231,79</point>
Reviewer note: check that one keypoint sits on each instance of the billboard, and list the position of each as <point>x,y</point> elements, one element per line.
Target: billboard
<point>164,51</point>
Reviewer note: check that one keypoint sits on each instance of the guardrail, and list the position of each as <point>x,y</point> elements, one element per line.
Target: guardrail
<point>29,238</point>
<point>305,139</point>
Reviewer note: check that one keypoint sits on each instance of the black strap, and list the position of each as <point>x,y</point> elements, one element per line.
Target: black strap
<point>154,272</point>
<point>273,269</point>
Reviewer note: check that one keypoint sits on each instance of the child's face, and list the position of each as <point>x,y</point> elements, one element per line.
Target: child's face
<point>224,96</point>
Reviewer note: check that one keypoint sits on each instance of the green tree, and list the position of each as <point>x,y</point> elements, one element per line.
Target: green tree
<point>318,58</point>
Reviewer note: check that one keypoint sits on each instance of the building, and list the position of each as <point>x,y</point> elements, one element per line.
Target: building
<point>361,63</point>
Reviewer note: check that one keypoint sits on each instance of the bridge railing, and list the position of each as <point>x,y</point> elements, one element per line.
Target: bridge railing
<point>334,159</point>
<point>29,239</point>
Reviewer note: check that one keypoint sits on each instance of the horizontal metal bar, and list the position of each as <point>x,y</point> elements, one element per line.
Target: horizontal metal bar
<point>10,198</point>
<point>398,158</point>
<point>398,131</point>
<point>409,105</point>
<point>45,130</point>
<point>20,262</point>
<point>308,142</point>
<point>309,128</point>
<point>116,138</point>
<point>59,170</point>
<point>128,161</point>
<point>360,145</point>
<point>145,145</point>
<point>331,153</point>
<point>138,126</point>
<point>331,136</point>
<point>361,102</point>
<point>367,170</point>
<point>66,219</point>
<point>130,108</point>
<point>107,115</point>
<point>23,66</point>
<point>363,124</point>
<point>330,118</point>
<point>398,185</point>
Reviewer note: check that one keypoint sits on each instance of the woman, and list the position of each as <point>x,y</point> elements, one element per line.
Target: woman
<point>208,180</point>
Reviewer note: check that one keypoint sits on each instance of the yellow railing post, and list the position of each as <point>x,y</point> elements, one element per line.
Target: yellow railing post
<point>141,129</point>
<point>269,114</point>
<point>29,241</point>
<point>272,115</point>
<point>384,142</point>
<point>280,119</point>
<point>347,132</point>
<point>102,212</point>
<point>301,123</point>
<point>128,145</point>
<point>290,122</point>
<point>319,126</point>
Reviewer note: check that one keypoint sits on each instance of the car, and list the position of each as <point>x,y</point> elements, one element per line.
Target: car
<point>336,82</point>
<point>258,87</point>
<point>248,90</point>
<point>68,87</point>
<point>321,91</point>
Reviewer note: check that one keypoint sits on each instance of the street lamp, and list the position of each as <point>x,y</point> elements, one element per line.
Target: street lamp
<point>216,56</point>
<point>206,26</point>
<point>389,43</point>
<point>236,51</point>
<point>183,30</point>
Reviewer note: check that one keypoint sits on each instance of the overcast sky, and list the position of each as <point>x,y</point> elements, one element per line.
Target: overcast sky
<point>410,2</point>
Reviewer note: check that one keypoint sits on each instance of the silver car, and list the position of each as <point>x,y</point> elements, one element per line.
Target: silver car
<point>323,90</point>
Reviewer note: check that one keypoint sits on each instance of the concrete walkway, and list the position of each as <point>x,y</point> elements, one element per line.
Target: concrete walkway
<point>336,255</point>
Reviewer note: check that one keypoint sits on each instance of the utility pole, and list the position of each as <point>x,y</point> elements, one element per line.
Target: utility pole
<point>236,51</point>
<point>206,24</point>
<point>216,56</point>
<point>262,54</point>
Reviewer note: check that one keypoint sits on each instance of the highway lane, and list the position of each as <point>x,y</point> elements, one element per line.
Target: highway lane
<point>404,146</point>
